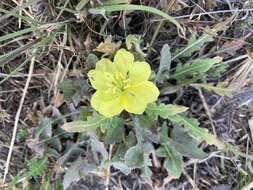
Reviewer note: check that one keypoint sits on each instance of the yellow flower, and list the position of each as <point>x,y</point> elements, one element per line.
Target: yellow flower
<point>122,85</point>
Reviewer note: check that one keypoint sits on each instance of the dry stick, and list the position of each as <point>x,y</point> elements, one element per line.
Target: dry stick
<point>248,186</point>
<point>207,110</point>
<point>156,31</point>
<point>20,13</point>
<point>107,183</point>
<point>208,13</point>
<point>17,117</point>
<point>214,12</point>
<point>190,180</point>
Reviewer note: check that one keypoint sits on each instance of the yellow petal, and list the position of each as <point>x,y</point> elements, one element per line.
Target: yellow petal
<point>123,60</point>
<point>105,65</point>
<point>97,79</point>
<point>107,103</point>
<point>137,97</point>
<point>139,72</point>
<point>133,104</point>
<point>99,76</point>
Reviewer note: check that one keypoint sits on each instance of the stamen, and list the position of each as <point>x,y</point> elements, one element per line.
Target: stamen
<point>126,81</point>
<point>117,76</point>
<point>121,75</point>
<point>127,86</point>
<point>114,90</point>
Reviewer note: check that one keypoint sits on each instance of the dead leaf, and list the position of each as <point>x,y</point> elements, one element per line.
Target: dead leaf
<point>88,43</point>
<point>57,100</point>
<point>176,5</point>
<point>231,47</point>
<point>36,146</point>
<point>108,47</point>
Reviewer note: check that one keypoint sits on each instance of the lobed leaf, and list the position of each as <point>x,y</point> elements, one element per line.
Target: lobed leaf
<point>164,110</point>
<point>185,144</point>
<point>197,67</point>
<point>173,162</point>
<point>193,45</point>
<point>164,67</point>
<point>192,126</point>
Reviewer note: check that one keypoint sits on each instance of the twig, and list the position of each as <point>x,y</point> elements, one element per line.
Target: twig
<point>248,186</point>
<point>194,186</point>
<point>207,110</point>
<point>208,13</point>
<point>17,117</point>
<point>107,182</point>
<point>215,12</point>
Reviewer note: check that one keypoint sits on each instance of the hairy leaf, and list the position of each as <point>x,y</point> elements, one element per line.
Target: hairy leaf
<point>185,144</point>
<point>134,157</point>
<point>92,123</point>
<point>78,169</point>
<point>192,126</point>
<point>198,67</point>
<point>164,67</point>
<point>173,162</point>
<point>219,89</point>
<point>193,45</point>
<point>72,174</point>
<point>164,110</point>
<point>98,147</point>
<point>134,41</point>
<point>122,167</point>
<point>115,132</point>
<point>74,89</point>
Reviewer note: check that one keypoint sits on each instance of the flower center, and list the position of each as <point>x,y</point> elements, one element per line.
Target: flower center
<point>117,82</point>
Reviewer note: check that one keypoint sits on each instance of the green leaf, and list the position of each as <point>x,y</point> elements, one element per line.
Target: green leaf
<point>91,61</point>
<point>115,2</point>
<point>146,172</point>
<point>98,147</point>
<point>193,45</point>
<point>192,126</point>
<point>130,139</point>
<point>185,144</point>
<point>163,133</point>
<point>78,169</point>
<point>164,67</point>
<point>74,89</point>
<point>134,157</point>
<point>73,173</point>
<point>198,67</point>
<point>161,152</point>
<point>37,167</point>
<point>143,133</point>
<point>146,121</point>
<point>164,110</point>
<point>219,89</point>
<point>79,126</point>
<point>134,41</point>
<point>122,167</point>
<point>120,152</point>
<point>45,128</point>
<point>173,163</point>
<point>115,133</point>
